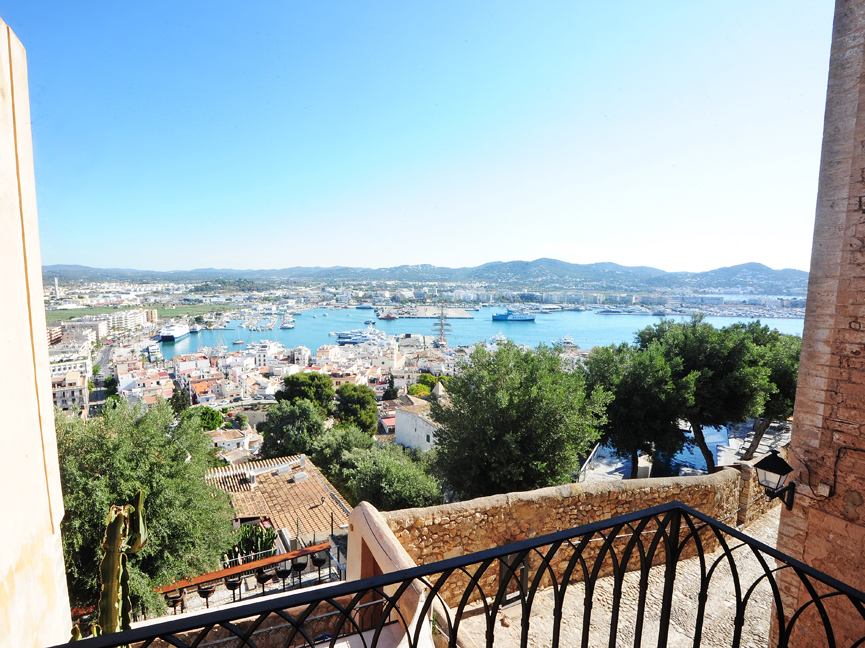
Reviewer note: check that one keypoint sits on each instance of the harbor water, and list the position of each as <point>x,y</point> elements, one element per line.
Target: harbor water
<point>587,329</point>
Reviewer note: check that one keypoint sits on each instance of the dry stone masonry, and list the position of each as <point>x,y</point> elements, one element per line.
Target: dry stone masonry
<point>451,530</point>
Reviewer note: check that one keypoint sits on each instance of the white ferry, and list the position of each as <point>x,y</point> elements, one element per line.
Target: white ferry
<point>173,332</point>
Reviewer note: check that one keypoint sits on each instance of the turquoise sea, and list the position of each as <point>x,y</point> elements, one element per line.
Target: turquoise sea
<point>587,329</point>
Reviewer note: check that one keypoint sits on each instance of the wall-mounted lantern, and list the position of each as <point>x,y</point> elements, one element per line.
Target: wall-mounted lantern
<point>772,472</point>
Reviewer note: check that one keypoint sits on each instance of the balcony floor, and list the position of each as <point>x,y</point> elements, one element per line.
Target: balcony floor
<point>718,627</point>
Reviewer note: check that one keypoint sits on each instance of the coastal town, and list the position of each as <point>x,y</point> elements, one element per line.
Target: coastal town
<point>117,327</point>
<point>281,444</point>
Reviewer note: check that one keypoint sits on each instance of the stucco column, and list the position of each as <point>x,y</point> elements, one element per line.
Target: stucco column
<point>34,603</point>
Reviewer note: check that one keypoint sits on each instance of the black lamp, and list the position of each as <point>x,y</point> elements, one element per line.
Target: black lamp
<point>772,472</point>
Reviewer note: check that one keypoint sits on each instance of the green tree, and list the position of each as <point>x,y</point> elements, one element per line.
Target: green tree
<point>331,450</point>
<point>421,391</point>
<point>207,417</point>
<point>427,379</point>
<point>780,355</point>
<point>106,460</point>
<point>643,417</point>
<point>391,392</point>
<point>110,386</point>
<point>516,421</point>
<point>96,369</point>
<point>290,429</point>
<point>310,385</point>
<point>180,401</point>
<point>388,479</point>
<point>356,406</point>
<point>730,383</point>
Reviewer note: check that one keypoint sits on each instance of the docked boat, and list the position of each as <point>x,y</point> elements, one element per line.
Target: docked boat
<point>195,329</point>
<point>173,332</point>
<point>364,306</point>
<point>513,316</point>
<point>388,316</point>
<point>566,341</point>
<point>361,336</point>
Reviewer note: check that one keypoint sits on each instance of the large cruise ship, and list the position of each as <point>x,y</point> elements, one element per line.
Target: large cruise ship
<point>513,316</point>
<point>173,332</point>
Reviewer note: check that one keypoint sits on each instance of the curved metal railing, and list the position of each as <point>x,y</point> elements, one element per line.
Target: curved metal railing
<point>645,578</point>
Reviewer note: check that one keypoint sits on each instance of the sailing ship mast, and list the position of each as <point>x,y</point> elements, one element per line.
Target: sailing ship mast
<point>442,328</point>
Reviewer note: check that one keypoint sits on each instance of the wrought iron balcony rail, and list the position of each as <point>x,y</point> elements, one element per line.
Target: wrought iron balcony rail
<point>647,578</point>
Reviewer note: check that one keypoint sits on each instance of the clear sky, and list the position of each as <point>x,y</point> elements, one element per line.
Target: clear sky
<point>683,135</point>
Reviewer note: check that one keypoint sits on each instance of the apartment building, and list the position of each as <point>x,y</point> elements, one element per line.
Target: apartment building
<point>54,334</point>
<point>62,365</point>
<point>100,327</point>
<point>70,392</point>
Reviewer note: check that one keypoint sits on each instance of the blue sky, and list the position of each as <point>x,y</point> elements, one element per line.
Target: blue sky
<point>177,135</point>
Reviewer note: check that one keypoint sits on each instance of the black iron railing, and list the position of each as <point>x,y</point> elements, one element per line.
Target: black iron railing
<point>666,575</point>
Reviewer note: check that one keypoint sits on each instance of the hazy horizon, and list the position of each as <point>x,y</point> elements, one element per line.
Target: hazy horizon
<point>193,135</point>
<point>260,269</point>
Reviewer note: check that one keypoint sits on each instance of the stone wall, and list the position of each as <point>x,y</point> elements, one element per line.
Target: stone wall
<point>441,532</point>
<point>826,528</point>
<point>752,497</point>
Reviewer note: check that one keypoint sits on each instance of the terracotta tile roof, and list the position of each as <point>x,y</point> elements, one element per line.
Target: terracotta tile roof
<point>280,498</point>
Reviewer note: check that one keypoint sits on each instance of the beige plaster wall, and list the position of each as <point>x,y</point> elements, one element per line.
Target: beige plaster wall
<point>34,603</point>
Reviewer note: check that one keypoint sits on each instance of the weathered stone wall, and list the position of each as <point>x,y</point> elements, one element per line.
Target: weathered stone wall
<point>440,532</point>
<point>752,497</point>
<point>826,528</point>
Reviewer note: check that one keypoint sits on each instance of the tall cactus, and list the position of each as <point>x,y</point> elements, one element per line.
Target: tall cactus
<point>125,534</point>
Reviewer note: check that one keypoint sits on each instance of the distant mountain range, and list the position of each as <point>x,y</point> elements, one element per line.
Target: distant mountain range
<point>549,274</point>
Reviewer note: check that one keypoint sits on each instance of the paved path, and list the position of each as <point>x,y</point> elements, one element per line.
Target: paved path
<point>718,625</point>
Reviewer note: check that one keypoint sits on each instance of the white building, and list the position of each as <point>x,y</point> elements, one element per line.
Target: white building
<point>64,365</point>
<point>414,427</point>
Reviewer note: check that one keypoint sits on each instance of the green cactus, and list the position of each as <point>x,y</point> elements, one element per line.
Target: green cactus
<point>125,534</point>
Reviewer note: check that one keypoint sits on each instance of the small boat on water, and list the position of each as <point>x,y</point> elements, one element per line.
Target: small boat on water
<point>238,342</point>
<point>369,322</point>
